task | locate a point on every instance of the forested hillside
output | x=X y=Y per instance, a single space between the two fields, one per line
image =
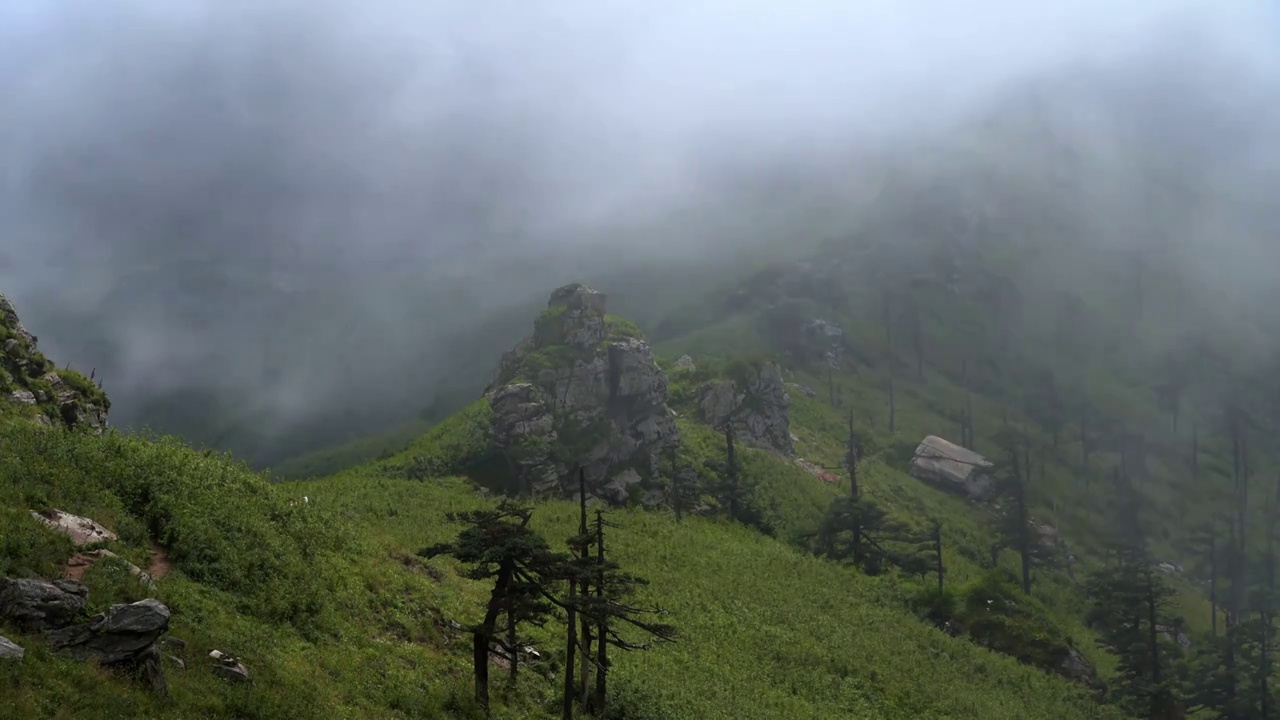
x=966 y=413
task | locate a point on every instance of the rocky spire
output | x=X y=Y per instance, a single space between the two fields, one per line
x=583 y=390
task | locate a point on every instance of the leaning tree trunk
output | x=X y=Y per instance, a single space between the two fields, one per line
x=480 y=639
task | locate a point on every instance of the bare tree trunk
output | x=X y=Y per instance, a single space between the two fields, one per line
x=584 y=552
x=888 y=337
x=893 y=412
x=512 y=641
x=1158 y=701
x=851 y=460
x=917 y=338
x=1229 y=660
x=571 y=646
x=1195 y=457
x=1084 y=443
x=1213 y=579
x=886 y=315
x=602 y=645
x=584 y=668
x=937 y=552
x=1024 y=539
x=733 y=470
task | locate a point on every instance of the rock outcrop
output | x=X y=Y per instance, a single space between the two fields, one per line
x=824 y=341
x=583 y=390
x=122 y=636
x=1076 y=667
x=123 y=633
x=755 y=402
x=952 y=468
x=228 y=668
x=32 y=385
x=10 y=650
x=36 y=605
x=81 y=530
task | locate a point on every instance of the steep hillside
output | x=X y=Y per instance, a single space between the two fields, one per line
x=31 y=386
x=316 y=589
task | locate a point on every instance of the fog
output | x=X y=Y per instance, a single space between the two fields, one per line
x=247 y=215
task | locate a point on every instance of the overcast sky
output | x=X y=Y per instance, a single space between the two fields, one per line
x=365 y=140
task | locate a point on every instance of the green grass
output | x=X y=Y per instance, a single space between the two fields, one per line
x=335 y=617
x=845 y=646
x=329 y=622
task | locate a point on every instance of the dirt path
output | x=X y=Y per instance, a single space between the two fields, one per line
x=159 y=564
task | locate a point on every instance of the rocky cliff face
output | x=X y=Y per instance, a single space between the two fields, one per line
x=31 y=385
x=755 y=401
x=583 y=390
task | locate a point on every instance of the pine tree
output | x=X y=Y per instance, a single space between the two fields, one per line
x=682 y=486
x=1131 y=607
x=610 y=610
x=1014 y=529
x=498 y=545
x=734 y=493
x=859 y=532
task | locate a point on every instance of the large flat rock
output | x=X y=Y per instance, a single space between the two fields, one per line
x=946 y=465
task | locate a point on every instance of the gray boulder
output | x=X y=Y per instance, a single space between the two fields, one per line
x=35 y=605
x=953 y=468
x=229 y=668
x=118 y=635
x=685 y=364
x=123 y=636
x=81 y=530
x=757 y=406
x=9 y=650
x=23 y=397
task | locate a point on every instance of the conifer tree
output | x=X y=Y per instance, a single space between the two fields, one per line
x=735 y=495
x=610 y=610
x=1131 y=607
x=498 y=545
x=1013 y=527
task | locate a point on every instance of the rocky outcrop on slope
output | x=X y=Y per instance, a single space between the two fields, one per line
x=122 y=636
x=35 y=605
x=10 y=650
x=582 y=391
x=755 y=401
x=81 y=530
x=31 y=385
x=953 y=468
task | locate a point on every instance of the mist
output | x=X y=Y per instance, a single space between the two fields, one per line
x=275 y=214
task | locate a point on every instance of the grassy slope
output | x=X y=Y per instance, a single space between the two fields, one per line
x=335 y=619
x=329 y=611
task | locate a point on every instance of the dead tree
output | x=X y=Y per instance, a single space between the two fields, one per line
x=937 y=552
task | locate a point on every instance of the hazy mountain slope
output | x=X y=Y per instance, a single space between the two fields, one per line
x=325 y=604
